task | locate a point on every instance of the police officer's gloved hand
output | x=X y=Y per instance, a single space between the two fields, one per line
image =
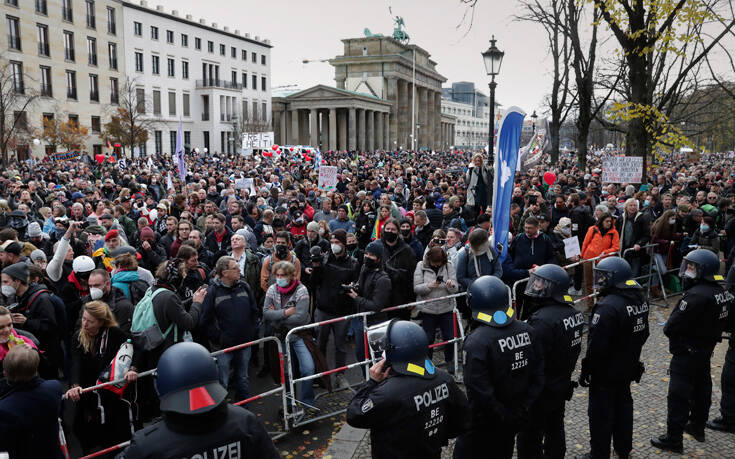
x=519 y=416
x=585 y=376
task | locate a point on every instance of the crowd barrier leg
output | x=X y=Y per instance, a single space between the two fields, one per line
x=111 y=449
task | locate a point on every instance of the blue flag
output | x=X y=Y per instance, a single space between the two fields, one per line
x=318 y=159
x=506 y=157
x=180 y=154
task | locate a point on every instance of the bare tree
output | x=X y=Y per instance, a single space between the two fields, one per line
x=15 y=100
x=130 y=123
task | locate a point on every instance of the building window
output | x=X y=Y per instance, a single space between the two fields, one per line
x=255 y=111
x=233 y=76
x=11 y=2
x=158 y=136
x=222 y=49
x=140 y=100
x=73 y=118
x=96 y=125
x=154 y=33
x=172 y=141
x=244 y=80
x=90 y=14
x=16 y=74
x=46 y=81
x=197 y=43
x=138 y=61
x=262 y=59
x=112 y=55
x=171 y=64
x=111 y=22
x=244 y=109
x=138 y=29
x=187 y=141
x=42 y=32
x=20 y=119
x=41 y=7
x=233 y=52
x=170 y=37
x=172 y=103
x=94 y=90
x=156 y=102
x=185 y=70
x=13 y=24
x=244 y=55
x=92 y=51
x=187 y=110
x=254 y=81
x=222 y=135
x=264 y=111
x=210 y=46
x=114 y=92
x=155 y=64
x=255 y=57
x=184 y=40
x=71 y=84
x=262 y=83
x=66 y=11
x=206 y=139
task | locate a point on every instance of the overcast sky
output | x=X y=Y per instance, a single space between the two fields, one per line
x=312 y=29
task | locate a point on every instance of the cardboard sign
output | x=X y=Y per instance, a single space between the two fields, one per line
x=327 y=178
x=571 y=247
x=622 y=169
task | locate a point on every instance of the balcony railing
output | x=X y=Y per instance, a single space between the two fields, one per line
x=212 y=83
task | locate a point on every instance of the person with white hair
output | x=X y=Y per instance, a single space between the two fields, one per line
x=635 y=233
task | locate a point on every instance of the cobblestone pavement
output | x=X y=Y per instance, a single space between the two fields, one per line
x=649 y=400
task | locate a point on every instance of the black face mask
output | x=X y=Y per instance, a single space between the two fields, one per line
x=406 y=233
x=281 y=251
x=390 y=237
x=351 y=247
x=371 y=264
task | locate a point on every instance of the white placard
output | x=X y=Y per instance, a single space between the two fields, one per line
x=622 y=169
x=245 y=184
x=571 y=247
x=327 y=178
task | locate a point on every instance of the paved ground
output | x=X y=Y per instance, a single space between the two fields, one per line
x=649 y=405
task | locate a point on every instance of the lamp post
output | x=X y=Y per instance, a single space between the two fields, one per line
x=493 y=58
x=533 y=117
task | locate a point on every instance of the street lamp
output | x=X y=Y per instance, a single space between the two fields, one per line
x=533 y=117
x=493 y=58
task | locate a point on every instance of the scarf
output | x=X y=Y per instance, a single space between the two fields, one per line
x=289 y=289
x=73 y=279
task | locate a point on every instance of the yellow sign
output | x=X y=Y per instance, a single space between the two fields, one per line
x=630 y=282
x=484 y=317
x=415 y=369
x=568 y=298
x=718 y=277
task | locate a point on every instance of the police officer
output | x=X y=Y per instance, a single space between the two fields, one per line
x=197 y=421
x=617 y=332
x=558 y=330
x=694 y=328
x=503 y=372
x=726 y=421
x=411 y=407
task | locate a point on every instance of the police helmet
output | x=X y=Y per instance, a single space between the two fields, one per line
x=489 y=301
x=701 y=264
x=407 y=349
x=187 y=380
x=614 y=272
x=549 y=281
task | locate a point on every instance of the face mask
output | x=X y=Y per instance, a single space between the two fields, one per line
x=672 y=221
x=8 y=290
x=370 y=263
x=390 y=237
x=96 y=293
x=59 y=233
x=406 y=233
x=704 y=228
x=351 y=247
x=336 y=249
x=690 y=274
x=321 y=232
x=646 y=203
x=281 y=251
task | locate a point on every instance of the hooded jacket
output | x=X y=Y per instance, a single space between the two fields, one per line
x=230 y=314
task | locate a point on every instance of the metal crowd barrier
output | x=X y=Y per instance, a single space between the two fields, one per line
x=652 y=259
x=281 y=388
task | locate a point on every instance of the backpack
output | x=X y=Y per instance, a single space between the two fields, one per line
x=146 y=332
x=59 y=310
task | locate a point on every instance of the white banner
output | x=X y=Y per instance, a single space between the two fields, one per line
x=327 y=178
x=622 y=169
x=257 y=140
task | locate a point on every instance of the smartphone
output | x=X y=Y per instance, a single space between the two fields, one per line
x=439 y=279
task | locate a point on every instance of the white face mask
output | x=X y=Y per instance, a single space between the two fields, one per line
x=690 y=273
x=336 y=249
x=96 y=293
x=321 y=232
x=672 y=221
x=8 y=290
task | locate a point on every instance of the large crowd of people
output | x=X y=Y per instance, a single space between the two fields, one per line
x=98 y=254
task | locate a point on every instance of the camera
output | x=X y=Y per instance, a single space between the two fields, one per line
x=345 y=288
x=316 y=254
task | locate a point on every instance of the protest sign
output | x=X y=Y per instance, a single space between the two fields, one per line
x=66 y=156
x=571 y=247
x=622 y=169
x=327 y=178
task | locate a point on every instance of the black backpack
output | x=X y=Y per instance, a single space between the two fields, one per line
x=59 y=310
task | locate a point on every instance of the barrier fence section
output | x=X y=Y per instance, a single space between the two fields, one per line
x=281 y=388
x=295 y=414
x=651 y=271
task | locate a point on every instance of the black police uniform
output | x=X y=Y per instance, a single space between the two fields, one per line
x=727 y=404
x=618 y=329
x=558 y=330
x=225 y=432
x=409 y=417
x=503 y=373
x=694 y=328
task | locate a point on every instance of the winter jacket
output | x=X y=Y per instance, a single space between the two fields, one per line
x=468 y=264
x=120 y=306
x=249 y=264
x=595 y=243
x=302 y=251
x=373 y=293
x=41 y=321
x=29 y=426
x=527 y=252
x=275 y=304
x=326 y=281
x=87 y=366
x=581 y=217
x=230 y=314
x=347 y=225
x=150 y=259
x=641 y=232
x=425 y=275
x=399 y=262
x=218 y=248
x=709 y=240
x=130 y=283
